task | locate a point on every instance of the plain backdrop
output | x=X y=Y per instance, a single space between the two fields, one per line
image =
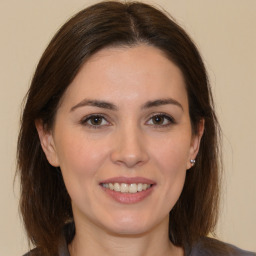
x=224 y=31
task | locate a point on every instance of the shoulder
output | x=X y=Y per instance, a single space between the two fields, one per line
x=65 y=238
x=31 y=253
x=34 y=252
x=212 y=247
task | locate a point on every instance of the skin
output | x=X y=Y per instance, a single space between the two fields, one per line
x=126 y=142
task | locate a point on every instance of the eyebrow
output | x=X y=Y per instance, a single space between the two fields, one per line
x=95 y=103
x=160 y=102
x=111 y=106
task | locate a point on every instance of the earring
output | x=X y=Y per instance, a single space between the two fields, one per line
x=192 y=161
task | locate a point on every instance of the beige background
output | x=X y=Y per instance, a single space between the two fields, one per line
x=225 y=32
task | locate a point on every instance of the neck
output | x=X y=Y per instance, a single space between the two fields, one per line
x=97 y=241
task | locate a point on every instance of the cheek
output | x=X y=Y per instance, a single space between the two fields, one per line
x=173 y=167
x=79 y=154
x=172 y=155
x=80 y=159
x=171 y=160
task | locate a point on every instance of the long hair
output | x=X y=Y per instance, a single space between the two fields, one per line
x=45 y=204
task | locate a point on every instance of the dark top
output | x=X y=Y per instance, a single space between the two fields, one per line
x=212 y=247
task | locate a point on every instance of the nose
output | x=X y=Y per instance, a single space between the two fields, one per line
x=129 y=148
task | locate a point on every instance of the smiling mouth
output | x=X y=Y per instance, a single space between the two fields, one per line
x=126 y=188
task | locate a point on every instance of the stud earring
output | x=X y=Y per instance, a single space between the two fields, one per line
x=192 y=161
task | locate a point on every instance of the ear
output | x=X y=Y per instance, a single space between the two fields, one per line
x=47 y=143
x=195 y=143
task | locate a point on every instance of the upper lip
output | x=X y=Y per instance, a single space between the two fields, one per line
x=128 y=180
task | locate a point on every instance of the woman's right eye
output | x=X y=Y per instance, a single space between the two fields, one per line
x=95 y=121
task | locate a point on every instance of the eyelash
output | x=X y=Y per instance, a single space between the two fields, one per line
x=85 y=120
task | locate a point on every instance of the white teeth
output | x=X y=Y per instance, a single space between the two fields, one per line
x=117 y=187
x=144 y=186
x=111 y=186
x=126 y=188
x=133 y=188
x=140 y=187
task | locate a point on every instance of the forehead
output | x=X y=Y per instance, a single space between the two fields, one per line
x=128 y=73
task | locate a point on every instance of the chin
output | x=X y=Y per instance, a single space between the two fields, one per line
x=128 y=230
x=129 y=225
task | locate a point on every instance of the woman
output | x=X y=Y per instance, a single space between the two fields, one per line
x=118 y=148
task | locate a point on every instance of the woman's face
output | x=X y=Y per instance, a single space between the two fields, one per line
x=123 y=124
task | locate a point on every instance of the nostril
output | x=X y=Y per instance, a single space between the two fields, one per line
x=130 y=160
x=129 y=148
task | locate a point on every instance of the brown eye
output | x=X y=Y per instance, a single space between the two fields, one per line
x=158 y=120
x=97 y=120
x=161 y=120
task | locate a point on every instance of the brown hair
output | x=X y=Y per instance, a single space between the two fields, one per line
x=45 y=204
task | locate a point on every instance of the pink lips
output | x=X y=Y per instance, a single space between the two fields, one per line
x=128 y=198
x=128 y=180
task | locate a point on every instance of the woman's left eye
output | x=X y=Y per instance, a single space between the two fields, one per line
x=161 y=120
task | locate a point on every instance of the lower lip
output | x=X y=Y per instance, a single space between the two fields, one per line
x=129 y=198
